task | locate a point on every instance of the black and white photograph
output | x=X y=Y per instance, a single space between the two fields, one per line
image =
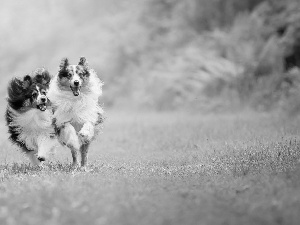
x=150 y=112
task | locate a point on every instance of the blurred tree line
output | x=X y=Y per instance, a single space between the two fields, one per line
x=162 y=54
x=246 y=52
x=202 y=15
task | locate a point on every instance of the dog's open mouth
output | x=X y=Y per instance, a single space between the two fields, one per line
x=42 y=106
x=75 y=90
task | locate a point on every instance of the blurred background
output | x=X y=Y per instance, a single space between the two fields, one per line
x=161 y=55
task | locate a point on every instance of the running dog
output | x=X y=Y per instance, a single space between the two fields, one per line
x=28 y=116
x=74 y=93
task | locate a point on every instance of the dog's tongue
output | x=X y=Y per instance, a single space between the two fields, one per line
x=42 y=107
x=76 y=91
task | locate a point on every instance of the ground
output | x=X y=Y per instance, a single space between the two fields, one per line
x=163 y=168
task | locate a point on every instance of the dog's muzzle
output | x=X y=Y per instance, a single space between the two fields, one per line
x=76 y=88
x=41 y=158
x=43 y=104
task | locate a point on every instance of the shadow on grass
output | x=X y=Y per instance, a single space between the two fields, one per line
x=274 y=157
x=235 y=161
x=24 y=168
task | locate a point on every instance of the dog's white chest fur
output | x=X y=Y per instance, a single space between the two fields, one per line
x=32 y=126
x=76 y=110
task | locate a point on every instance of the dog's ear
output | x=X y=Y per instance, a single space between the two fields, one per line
x=83 y=63
x=46 y=77
x=27 y=81
x=64 y=64
x=41 y=76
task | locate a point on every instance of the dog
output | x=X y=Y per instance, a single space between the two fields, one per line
x=74 y=93
x=28 y=116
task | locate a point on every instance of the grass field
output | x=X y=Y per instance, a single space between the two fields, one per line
x=169 y=168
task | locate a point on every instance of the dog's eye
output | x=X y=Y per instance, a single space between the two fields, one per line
x=84 y=75
x=43 y=92
x=34 y=95
x=64 y=74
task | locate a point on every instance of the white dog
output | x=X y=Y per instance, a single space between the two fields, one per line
x=74 y=94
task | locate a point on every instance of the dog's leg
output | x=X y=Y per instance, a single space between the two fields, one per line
x=69 y=136
x=86 y=133
x=33 y=158
x=45 y=146
x=84 y=153
x=74 y=153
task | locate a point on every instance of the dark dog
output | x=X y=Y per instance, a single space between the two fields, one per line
x=28 y=117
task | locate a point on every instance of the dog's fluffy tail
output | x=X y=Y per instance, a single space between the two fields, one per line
x=15 y=92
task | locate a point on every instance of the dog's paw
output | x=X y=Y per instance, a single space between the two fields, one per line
x=84 y=169
x=69 y=137
x=84 y=138
x=75 y=166
x=86 y=133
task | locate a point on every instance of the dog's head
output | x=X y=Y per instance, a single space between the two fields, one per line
x=30 y=92
x=74 y=77
x=36 y=88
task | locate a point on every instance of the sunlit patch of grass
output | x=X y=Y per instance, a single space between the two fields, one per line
x=164 y=169
x=269 y=158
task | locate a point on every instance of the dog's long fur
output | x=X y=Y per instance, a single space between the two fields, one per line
x=74 y=93
x=28 y=117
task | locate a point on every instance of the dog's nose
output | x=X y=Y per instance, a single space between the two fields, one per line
x=41 y=158
x=76 y=83
x=43 y=99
